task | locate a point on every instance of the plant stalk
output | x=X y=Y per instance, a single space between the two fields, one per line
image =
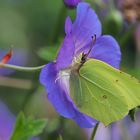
x=20 y=68
x=94 y=132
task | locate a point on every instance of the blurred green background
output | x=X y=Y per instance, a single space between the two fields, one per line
x=36 y=28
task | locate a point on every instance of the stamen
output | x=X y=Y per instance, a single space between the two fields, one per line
x=77 y=59
x=60 y=76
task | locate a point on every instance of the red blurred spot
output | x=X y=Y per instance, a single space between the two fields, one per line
x=7 y=57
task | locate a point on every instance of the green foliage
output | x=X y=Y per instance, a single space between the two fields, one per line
x=104 y=92
x=60 y=137
x=26 y=128
x=114 y=19
x=48 y=53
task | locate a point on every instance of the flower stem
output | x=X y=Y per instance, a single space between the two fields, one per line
x=94 y=132
x=20 y=68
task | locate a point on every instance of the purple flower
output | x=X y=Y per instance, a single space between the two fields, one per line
x=7 y=123
x=121 y=130
x=55 y=75
x=103 y=133
x=7 y=120
x=71 y=3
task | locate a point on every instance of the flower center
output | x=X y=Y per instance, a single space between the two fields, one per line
x=78 y=61
x=63 y=80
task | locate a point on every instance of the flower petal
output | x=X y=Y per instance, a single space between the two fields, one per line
x=7 y=120
x=66 y=53
x=85 y=26
x=68 y=26
x=84 y=121
x=107 y=49
x=58 y=95
x=116 y=131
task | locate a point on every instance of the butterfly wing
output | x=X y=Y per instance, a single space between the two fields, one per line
x=103 y=92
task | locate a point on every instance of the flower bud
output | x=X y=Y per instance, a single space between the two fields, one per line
x=71 y=3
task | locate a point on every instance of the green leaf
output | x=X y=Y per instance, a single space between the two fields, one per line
x=103 y=92
x=26 y=128
x=48 y=53
x=60 y=138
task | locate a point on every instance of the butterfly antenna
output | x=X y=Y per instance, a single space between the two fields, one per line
x=92 y=44
x=84 y=56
